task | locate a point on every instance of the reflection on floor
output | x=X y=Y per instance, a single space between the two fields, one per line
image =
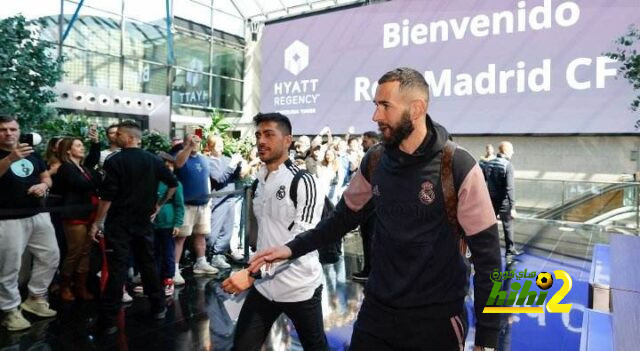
x=201 y=316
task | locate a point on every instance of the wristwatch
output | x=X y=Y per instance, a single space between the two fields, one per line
x=256 y=275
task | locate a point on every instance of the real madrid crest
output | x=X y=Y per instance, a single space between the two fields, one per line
x=426 y=194
x=282 y=191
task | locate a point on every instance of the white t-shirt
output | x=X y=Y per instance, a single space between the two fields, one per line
x=106 y=153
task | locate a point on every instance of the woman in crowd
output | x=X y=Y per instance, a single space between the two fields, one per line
x=331 y=174
x=78 y=187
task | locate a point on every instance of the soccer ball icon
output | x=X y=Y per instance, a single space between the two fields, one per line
x=544 y=280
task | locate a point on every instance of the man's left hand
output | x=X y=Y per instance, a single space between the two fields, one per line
x=38 y=190
x=155 y=213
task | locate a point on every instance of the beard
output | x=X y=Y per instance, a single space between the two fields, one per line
x=398 y=132
x=271 y=155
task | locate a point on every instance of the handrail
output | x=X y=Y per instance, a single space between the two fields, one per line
x=578 y=181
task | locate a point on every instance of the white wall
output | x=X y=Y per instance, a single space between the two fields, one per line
x=595 y=158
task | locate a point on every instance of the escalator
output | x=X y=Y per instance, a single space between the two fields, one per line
x=612 y=206
x=588 y=205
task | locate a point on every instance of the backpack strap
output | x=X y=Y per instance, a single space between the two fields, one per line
x=375 y=153
x=293 y=188
x=450 y=194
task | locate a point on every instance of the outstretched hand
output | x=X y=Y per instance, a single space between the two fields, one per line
x=268 y=256
x=238 y=282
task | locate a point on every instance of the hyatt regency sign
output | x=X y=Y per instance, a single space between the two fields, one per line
x=495 y=67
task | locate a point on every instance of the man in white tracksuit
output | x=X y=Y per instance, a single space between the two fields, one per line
x=295 y=287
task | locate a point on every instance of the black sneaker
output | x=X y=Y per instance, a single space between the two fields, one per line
x=514 y=252
x=361 y=276
x=103 y=327
x=160 y=314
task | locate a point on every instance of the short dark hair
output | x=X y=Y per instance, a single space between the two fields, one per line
x=133 y=127
x=408 y=78
x=281 y=120
x=6 y=118
x=129 y=124
x=112 y=126
x=371 y=135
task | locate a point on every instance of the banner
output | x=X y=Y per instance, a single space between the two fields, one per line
x=494 y=67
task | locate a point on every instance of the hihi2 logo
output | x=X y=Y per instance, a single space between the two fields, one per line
x=499 y=302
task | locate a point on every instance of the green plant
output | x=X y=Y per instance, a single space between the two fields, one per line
x=78 y=126
x=153 y=141
x=627 y=54
x=27 y=71
x=220 y=126
x=241 y=146
x=70 y=125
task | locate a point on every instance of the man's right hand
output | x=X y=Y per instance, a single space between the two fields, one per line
x=95 y=231
x=20 y=152
x=268 y=256
x=238 y=282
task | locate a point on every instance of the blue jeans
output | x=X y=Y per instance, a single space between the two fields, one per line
x=222 y=219
x=164 y=248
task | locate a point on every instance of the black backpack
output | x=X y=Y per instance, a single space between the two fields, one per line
x=330 y=253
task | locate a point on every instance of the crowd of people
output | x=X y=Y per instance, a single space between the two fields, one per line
x=146 y=210
x=67 y=185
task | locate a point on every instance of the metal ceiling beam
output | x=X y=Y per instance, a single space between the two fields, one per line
x=238 y=9
x=71 y=22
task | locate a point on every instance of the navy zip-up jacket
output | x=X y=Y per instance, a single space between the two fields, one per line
x=499 y=174
x=417 y=263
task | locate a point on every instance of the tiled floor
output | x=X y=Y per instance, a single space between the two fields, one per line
x=201 y=316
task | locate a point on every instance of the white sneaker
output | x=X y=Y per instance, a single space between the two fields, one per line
x=237 y=256
x=38 y=306
x=178 y=279
x=204 y=268
x=126 y=298
x=14 y=320
x=219 y=261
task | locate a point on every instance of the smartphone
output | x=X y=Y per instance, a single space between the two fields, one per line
x=26 y=139
x=32 y=139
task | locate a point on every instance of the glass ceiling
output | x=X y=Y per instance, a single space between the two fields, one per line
x=269 y=10
x=230 y=16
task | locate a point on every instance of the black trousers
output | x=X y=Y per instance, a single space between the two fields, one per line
x=258 y=315
x=366 y=232
x=121 y=236
x=381 y=328
x=507 y=227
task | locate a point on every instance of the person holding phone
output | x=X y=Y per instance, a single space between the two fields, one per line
x=24 y=181
x=112 y=132
x=193 y=171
